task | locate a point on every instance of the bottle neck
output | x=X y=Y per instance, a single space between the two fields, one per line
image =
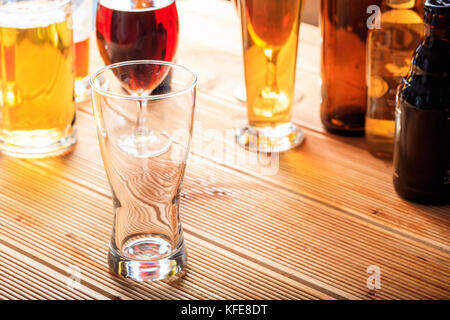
x=437 y=25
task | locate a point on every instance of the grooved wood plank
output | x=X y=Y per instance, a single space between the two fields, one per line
x=76 y=237
x=295 y=238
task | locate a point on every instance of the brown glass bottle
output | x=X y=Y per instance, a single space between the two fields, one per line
x=344 y=32
x=422 y=139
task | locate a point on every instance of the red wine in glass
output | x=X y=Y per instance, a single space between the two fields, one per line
x=137 y=30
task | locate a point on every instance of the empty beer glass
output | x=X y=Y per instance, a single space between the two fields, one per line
x=144 y=140
x=37 y=107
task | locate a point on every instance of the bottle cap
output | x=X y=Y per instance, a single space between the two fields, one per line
x=437 y=5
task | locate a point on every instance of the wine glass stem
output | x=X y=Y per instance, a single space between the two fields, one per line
x=271 y=74
x=142 y=129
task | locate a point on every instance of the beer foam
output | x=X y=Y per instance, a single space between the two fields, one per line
x=32 y=14
x=129 y=5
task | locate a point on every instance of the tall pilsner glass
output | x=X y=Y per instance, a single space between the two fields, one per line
x=270 y=31
x=147 y=239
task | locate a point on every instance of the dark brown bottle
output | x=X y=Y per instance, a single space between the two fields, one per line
x=344 y=26
x=422 y=140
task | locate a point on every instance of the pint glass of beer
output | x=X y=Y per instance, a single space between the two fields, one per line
x=270 y=31
x=37 y=106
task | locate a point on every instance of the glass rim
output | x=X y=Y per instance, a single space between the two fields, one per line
x=152 y=8
x=110 y=94
x=53 y=4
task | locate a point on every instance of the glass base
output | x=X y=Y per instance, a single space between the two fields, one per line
x=150 y=145
x=270 y=139
x=40 y=149
x=380 y=146
x=148 y=258
x=344 y=131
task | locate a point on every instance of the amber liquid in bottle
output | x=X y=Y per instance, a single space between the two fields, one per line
x=389 y=53
x=344 y=33
x=422 y=140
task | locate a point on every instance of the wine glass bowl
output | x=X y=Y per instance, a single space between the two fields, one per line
x=141 y=79
x=129 y=30
x=137 y=30
x=263 y=17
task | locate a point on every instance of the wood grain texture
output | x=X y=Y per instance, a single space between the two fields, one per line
x=307 y=231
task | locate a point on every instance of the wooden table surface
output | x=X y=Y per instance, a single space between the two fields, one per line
x=306 y=225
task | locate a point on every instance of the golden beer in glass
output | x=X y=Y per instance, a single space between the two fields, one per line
x=270 y=31
x=37 y=106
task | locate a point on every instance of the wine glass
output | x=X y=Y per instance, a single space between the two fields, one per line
x=129 y=30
